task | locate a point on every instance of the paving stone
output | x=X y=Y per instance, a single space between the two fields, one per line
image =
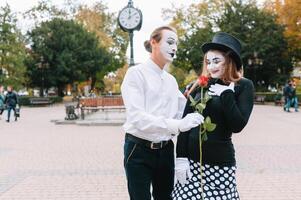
x=40 y=160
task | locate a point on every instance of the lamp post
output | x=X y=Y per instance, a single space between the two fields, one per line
x=42 y=65
x=1 y=75
x=255 y=63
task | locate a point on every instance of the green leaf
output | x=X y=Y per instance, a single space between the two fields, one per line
x=208 y=120
x=210 y=127
x=200 y=107
x=193 y=102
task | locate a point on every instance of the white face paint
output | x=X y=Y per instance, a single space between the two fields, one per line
x=215 y=64
x=168 y=45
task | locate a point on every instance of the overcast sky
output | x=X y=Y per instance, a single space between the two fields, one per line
x=151 y=10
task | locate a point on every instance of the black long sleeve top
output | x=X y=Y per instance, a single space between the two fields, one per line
x=230 y=112
x=11 y=99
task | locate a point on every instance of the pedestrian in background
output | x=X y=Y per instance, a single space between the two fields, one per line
x=288 y=95
x=2 y=97
x=294 y=97
x=11 y=101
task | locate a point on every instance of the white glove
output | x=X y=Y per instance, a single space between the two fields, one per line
x=190 y=121
x=218 y=89
x=182 y=170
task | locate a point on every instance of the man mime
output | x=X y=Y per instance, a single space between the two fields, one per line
x=154 y=107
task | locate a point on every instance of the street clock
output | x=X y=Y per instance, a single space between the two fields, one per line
x=130 y=18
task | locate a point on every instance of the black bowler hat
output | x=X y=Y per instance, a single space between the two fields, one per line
x=225 y=42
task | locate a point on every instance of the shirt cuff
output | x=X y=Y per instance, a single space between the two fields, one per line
x=173 y=126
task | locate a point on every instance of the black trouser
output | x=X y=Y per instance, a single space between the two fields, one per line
x=145 y=166
x=9 y=108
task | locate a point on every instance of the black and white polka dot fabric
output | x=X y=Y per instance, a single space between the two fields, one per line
x=218 y=184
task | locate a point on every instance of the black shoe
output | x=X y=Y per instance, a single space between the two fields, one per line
x=7 y=120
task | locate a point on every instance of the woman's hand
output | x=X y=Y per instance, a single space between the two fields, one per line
x=218 y=89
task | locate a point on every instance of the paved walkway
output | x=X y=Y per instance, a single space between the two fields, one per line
x=43 y=161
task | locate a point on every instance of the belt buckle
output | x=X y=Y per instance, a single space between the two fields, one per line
x=152 y=146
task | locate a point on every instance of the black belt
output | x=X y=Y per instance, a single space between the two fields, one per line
x=149 y=144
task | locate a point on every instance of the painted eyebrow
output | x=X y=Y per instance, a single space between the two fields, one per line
x=170 y=38
x=215 y=59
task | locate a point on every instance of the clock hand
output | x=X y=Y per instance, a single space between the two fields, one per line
x=129 y=14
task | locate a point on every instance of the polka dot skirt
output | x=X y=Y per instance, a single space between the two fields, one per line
x=218 y=184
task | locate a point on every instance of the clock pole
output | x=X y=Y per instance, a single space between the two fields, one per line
x=131 y=33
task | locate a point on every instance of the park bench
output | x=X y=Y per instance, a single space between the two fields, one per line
x=279 y=101
x=40 y=101
x=104 y=103
x=259 y=99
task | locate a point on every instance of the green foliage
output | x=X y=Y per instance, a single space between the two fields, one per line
x=272 y=96
x=257 y=29
x=12 y=50
x=69 y=52
x=189 y=55
x=25 y=100
x=288 y=14
x=103 y=23
x=298 y=89
x=95 y=19
x=259 y=33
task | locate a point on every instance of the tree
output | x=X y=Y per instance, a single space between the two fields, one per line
x=96 y=19
x=194 y=24
x=12 y=50
x=45 y=10
x=288 y=15
x=189 y=55
x=188 y=20
x=113 y=80
x=257 y=29
x=260 y=35
x=66 y=53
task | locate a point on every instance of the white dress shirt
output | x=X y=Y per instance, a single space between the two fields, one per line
x=153 y=102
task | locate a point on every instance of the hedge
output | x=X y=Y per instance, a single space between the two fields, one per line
x=25 y=100
x=272 y=96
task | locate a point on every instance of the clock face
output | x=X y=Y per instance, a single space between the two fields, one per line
x=129 y=18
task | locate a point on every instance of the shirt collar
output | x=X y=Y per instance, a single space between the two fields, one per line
x=152 y=65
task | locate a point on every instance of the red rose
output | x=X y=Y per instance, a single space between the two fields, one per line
x=203 y=81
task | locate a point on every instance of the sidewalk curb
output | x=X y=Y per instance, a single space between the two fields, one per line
x=89 y=123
